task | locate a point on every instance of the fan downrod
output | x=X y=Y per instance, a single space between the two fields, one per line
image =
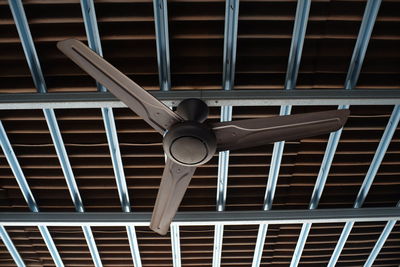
x=193 y=109
x=190 y=143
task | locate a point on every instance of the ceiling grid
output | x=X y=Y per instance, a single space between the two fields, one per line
x=27 y=193
x=299 y=31
x=363 y=38
x=228 y=78
x=369 y=178
x=93 y=36
x=38 y=78
x=137 y=37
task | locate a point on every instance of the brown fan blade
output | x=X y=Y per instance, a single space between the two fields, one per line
x=149 y=108
x=255 y=132
x=175 y=181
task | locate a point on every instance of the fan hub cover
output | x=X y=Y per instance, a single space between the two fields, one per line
x=190 y=143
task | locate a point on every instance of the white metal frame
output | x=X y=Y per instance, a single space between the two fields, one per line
x=203 y=217
x=213 y=98
x=226 y=99
x=93 y=35
x=229 y=64
x=356 y=62
x=28 y=45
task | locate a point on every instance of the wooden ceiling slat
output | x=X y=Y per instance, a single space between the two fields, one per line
x=196 y=41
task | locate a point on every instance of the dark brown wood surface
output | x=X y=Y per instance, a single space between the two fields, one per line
x=196 y=42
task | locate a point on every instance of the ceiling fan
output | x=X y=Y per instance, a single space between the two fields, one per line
x=187 y=141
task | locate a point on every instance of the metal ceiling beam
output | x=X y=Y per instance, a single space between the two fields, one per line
x=162 y=42
x=92 y=33
x=164 y=73
x=176 y=245
x=223 y=164
x=24 y=33
x=222 y=184
x=360 y=49
x=27 y=193
x=356 y=62
x=22 y=25
x=11 y=247
x=213 y=98
x=230 y=43
x=316 y=195
x=202 y=218
x=369 y=178
x=217 y=248
x=381 y=241
x=38 y=78
x=228 y=79
x=116 y=158
x=70 y=179
x=296 y=48
x=91 y=28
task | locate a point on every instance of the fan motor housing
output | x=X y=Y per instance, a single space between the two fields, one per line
x=190 y=143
